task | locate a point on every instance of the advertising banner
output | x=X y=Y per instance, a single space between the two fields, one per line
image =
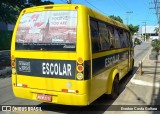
x=47 y=28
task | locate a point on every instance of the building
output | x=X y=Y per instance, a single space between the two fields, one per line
x=149 y=30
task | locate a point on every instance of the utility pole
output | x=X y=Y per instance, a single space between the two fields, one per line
x=145 y=36
x=69 y=1
x=128 y=12
x=157 y=8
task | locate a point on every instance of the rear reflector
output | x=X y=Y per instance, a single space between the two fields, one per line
x=64 y=90
x=24 y=85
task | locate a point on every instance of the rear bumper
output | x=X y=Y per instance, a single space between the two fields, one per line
x=57 y=97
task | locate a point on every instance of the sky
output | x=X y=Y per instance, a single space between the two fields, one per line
x=140 y=10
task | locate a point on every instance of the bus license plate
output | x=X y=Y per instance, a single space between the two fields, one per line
x=44 y=97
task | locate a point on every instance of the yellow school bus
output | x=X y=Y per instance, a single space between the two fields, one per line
x=68 y=54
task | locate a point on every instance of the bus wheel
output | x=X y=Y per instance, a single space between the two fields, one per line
x=115 y=88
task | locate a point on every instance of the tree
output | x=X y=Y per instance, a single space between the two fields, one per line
x=9 y=9
x=117 y=18
x=39 y=2
x=156 y=30
x=133 y=29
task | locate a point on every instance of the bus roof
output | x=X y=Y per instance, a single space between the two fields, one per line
x=94 y=13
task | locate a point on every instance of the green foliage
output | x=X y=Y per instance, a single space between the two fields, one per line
x=8 y=13
x=155 y=44
x=117 y=18
x=9 y=9
x=156 y=30
x=5 y=40
x=39 y=2
x=133 y=29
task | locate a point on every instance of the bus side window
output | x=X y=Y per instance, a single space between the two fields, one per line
x=130 y=40
x=126 y=39
x=117 y=39
x=104 y=37
x=111 y=37
x=94 y=36
x=123 y=39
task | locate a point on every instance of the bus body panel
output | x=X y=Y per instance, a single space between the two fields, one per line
x=57 y=97
x=42 y=84
x=67 y=89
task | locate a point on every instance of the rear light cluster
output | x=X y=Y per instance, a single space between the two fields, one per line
x=22 y=85
x=69 y=91
x=80 y=69
x=13 y=64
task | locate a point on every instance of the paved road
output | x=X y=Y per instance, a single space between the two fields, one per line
x=99 y=106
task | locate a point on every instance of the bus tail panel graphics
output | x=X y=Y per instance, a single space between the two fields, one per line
x=46 y=68
x=47 y=30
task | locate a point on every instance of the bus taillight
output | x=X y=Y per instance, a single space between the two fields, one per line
x=13 y=64
x=13 y=70
x=12 y=57
x=80 y=68
x=80 y=60
x=69 y=91
x=80 y=76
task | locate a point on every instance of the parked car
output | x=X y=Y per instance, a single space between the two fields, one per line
x=137 y=41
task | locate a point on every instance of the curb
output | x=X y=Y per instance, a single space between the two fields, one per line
x=138 y=66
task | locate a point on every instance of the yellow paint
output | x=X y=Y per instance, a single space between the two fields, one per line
x=88 y=90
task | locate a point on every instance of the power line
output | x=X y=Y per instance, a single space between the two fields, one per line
x=122 y=6
x=94 y=7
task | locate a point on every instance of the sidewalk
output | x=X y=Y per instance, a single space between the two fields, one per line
x=144 y=89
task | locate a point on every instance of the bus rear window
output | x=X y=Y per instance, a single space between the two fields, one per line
x=47 y=30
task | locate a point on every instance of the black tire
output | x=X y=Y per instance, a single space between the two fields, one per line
x=115 y=88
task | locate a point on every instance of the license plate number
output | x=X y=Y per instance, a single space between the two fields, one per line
x=44 y=97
